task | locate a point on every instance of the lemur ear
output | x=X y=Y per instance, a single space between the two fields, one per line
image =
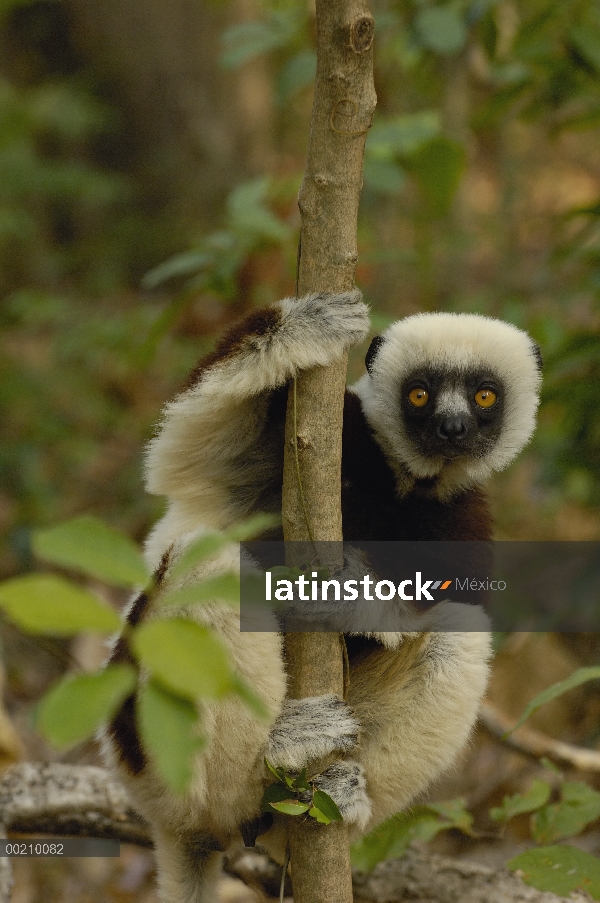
x=538 y=356
x=372 y=353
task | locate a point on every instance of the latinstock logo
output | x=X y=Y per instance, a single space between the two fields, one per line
x=304 y=589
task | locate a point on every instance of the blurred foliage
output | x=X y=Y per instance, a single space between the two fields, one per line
x=185 y=661
x=482 y=193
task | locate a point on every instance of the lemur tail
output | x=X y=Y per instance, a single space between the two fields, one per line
x=189 y=869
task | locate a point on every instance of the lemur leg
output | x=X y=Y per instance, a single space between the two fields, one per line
x=417 y=706
x=188 y=869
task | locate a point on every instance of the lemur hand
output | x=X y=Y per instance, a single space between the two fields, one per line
x=309 y=729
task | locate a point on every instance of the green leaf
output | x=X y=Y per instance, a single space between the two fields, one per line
x=384 y=176
x=581 y=676
x=275 y=793
x=89 y=545
x=278 y=773
x=301 y=782
x=246 y=40
x=222 y=588
x=534 y=798
x=206 y=546
x=186 y=657
x=291 y=807
x=401 y=135
x=391 y=839
x=587 y=42
x=559 y=869
x=169 y=731
x=252 y=527
x=186 y=264
x=297 y=73
x=456 y=814
x=50 y=604
x=579 y=807
x=438 y=167
x=326 y=805
x=320 y=816
x=77 y=706
x=551 y=766
x=250 y=216
x=253 y=590
x=441 y=29
x=247 y=695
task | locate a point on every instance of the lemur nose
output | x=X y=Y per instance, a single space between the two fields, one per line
x=452 y=428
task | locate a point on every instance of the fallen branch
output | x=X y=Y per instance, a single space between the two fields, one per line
x=68 y=800
x=535 y=744
x=423 y=877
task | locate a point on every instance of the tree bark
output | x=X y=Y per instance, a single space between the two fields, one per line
x=342 y=112
x=424 y=877
x=75 y=800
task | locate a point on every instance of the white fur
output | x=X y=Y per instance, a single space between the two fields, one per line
x=464 y=342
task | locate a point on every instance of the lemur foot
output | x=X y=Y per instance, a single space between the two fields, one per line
x=345 y=783
x=310 y=728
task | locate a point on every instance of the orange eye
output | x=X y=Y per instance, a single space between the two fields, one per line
x=418 y=397
x=485 y=398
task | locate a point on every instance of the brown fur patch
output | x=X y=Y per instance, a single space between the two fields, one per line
x=259 y=323
x=371 y=508
x=123 y=730
x=123 y=727
x=163 y=567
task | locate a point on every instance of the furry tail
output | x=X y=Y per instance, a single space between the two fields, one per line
x=189 y=868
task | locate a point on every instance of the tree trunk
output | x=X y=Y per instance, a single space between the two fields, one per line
x=197 y=126
x=342 y=113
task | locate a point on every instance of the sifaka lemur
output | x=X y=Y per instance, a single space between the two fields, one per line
x=447 y=400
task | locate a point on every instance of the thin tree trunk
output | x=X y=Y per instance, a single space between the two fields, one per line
x=342 y=113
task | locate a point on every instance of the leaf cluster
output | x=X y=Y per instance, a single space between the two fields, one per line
x=184 y=663
x=297 y=795
x=554 y=816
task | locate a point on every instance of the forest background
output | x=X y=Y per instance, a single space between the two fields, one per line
x=150 y=159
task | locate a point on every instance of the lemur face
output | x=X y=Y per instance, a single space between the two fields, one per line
x=452 y=414
x=451 y=396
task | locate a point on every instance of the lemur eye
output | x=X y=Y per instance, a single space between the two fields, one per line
x=485 y=398
x=418 y=397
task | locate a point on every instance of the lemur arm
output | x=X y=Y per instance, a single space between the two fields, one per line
x=218 y=455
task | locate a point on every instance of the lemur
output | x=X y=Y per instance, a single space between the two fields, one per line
x=447 y=399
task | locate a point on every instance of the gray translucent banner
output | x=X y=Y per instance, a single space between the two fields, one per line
x=374 y=587
x=60 y=847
